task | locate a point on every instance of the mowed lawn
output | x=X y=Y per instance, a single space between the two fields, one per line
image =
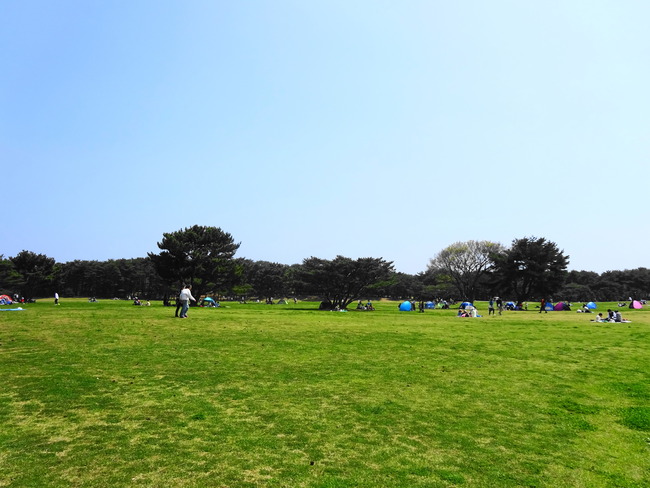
x=250 y=395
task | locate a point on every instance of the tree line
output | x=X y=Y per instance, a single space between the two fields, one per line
x=530 y=268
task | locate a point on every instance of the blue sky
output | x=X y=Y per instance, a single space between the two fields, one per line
x=316 y=128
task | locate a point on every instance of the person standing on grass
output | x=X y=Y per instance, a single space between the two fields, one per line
x=491 y=307
x=542 y=306
x=56 y=298
x=185 y=297
x=178 y=303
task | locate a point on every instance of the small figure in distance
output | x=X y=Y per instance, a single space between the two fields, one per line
x=491 y=307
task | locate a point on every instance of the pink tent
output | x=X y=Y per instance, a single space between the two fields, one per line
x=559 y=306
x=636 y=304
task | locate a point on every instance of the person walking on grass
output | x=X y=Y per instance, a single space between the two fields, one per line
x=185 y=297
x=56 y=298
x=500 y=305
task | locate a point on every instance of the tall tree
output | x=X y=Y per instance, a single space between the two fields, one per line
x=532 y=267
x=112 y=278
x=198 y=255
x=266 y=279
x=404 y=286
x=466 y=263
x=10 y=279
x=342 y=280
x=37 y=273
x=438 y=284
x=580 y=286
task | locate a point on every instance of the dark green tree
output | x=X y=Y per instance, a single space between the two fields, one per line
x=439 y=285
x=10 y=279
x=342 y=280
x=403 y=286
x=112 y=278
x=621 y=285
x=532 y=267
x=266 y=279
x=198 y=255
x=37 y=274
x=579 y=287
x=638 y=282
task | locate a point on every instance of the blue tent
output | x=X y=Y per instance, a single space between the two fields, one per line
x=405 y=306
x=591 y=305
x=549 y=306
x=465 y=305
x=430 y=305
x=209 y=302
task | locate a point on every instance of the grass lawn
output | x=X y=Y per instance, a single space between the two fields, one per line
x=107 y=394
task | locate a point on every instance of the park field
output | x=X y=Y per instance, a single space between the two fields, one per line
x=108 y=394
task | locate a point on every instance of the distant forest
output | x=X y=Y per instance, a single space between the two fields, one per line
x=36 y=276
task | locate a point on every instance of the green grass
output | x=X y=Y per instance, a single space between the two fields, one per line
x=108 y=394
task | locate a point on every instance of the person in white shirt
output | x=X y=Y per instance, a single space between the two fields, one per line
x=185 y=297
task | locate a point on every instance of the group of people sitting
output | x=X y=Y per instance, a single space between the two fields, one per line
x=612 y=316
x=468 y=311
x=367 y=306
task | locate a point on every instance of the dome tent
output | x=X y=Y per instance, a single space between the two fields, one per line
x=405 y=306
x=591 y=305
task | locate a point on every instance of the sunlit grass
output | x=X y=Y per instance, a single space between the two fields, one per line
x=108 y=394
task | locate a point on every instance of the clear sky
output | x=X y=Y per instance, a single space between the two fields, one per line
x=315 y=128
